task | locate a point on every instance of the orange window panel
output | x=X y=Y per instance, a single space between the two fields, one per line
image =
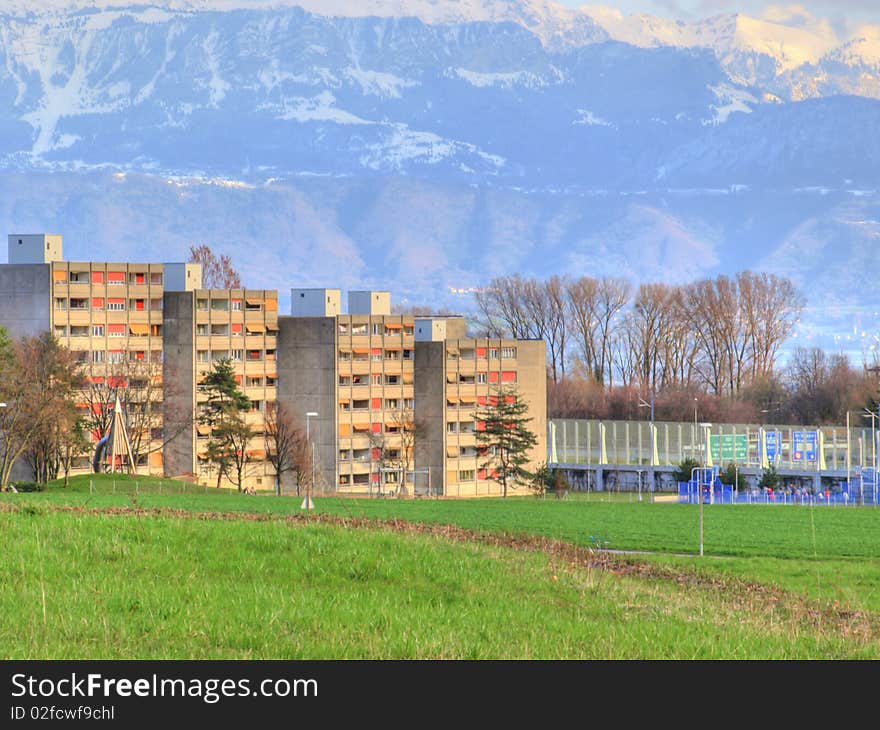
x=59 y=275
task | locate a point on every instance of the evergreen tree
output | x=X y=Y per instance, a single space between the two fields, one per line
x=504 y=438
x=224 y=412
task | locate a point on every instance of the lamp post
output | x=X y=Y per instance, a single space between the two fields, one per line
x=307 y=504
x=699 y=461
x=872 y=415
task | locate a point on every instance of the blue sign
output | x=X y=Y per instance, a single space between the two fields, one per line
x=772 y=442
x=803 y=445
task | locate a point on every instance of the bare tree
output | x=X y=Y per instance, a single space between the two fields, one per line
x=287 y=448
x=217 y=271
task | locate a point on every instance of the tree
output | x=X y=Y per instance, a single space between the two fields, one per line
x=546 y=478
x=217 y=271
x=685 y=469
x=731 y=475
x=224 y=413
x=287 y=448
x=37 y=376
x=769 y=478
x=504 y=438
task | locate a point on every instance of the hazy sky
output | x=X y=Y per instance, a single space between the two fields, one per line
x=836 y=10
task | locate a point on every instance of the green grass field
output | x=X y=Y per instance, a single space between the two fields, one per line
x=98 y=585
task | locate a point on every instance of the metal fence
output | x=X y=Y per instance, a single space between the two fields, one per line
x=808 y=449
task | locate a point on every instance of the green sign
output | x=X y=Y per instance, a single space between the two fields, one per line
x=729 y=447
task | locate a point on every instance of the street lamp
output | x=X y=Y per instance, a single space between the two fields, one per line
x=307 y=503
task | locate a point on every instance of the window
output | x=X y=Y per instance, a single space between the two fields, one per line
x=97 y=356
x=156 y=356
x=377 y=328
x=115 y=278
x=116 y=305
x=137 y=356
x=344 y=380
x=359 y=329
x=79 y=330
x=407 y=354
x=358 y=380
x=408 y=329
x=97 y=330
x=270 y=354
x=79 y=303
x=79 y=277
x=466 y=379
x=360 y=405
x=220 y=305
x=409 y=403
x=236 y=355
x=392 y=379
x=254 y=382
x=508 y=353
x=219 y=355
x=201 y=329
x=115 y=356
x=254 y=354
x=202 y=356
x=256 y=405
x=376 y=379
x=508 y=376
x=156 y=330
x=481 y=377
x=467 y=354
x=156 y=304
x=60 y=303
x=97 y=303
x=137 y=278
x=493 y=353
x=220 y=329
x=376 y=354
x=466 y=475
x=481 y=353
x=235 y=305
x=236 y=328
x=343 y=328
x=271 y=382
x=392 y=403
x=202 y=305
x=452 y=427
x=392 y=354
x=344 y=454
x=138 y=305
x=116 y=330
x=344 y=355
x=61 y=330
x=156 y=279
x=466 y=427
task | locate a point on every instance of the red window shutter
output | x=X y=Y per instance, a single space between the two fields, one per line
x=481 y=352
x=97 y=277
x=481 y=474
x=481 y=400
x=116 y=329
x=139 y=305
x=139 y=355
x=237 y=379
x=493 y=377
x=376 y=453
x=509 y=399
x=138 y=278
x=115 y=300
x=116 y=276
x=376 y=404
x=376 y=427
x=481 y=425
x=97 y=302
x=236 y=328
x=374 y=477
x=508 y=376
x=117 y=382
x=97 y=379
x=376 y=351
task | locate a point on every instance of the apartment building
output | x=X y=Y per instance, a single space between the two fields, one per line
x=108 y=314
x=393 y=393
x=201 y=327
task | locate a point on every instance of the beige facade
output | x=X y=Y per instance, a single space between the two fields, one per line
x=205 y=326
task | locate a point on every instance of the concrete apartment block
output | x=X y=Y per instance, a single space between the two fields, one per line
x=307 y=384
x=433 y=329
x=315 y=302
x=207 y=325
x=369 y=302
x=34 y=248
x=25 y=296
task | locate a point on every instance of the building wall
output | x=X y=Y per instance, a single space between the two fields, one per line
x=25 y=294
x=34 y=248
x=307 y=383
x=474 y=370
x=178 y=381
x=430 y=410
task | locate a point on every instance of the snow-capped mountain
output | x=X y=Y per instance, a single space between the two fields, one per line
x=425 y=145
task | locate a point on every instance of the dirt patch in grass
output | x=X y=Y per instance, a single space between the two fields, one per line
x=751 y=597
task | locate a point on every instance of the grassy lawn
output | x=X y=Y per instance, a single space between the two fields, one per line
x=82 y=586
x=827 y=553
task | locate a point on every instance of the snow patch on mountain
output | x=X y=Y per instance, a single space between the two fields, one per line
x=379 y=83
x=504 y=79
x=404 y=145
x=318 y=108
x=730 y=99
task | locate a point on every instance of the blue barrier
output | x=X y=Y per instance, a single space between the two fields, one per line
x=718 y=493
